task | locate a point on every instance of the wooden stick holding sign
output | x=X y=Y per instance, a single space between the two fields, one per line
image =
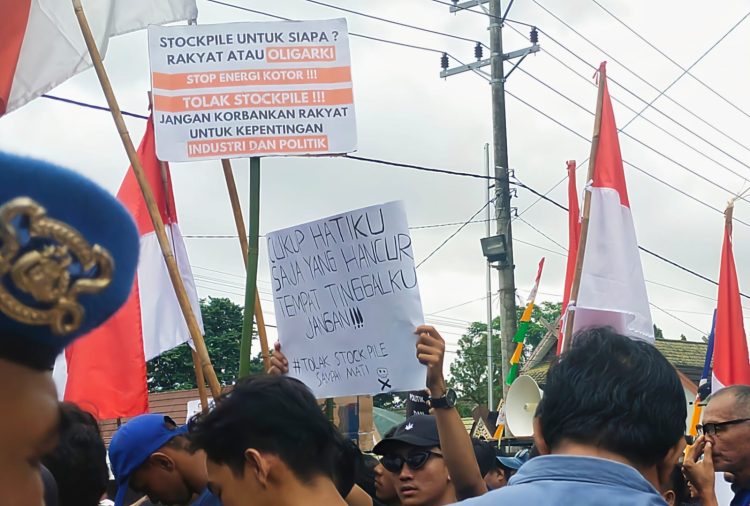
x=174 y=273
x=252 y=268
x=239 y=221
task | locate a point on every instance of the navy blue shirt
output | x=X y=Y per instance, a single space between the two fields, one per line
x=741 y=497
x=575 y=481
x=207 y=499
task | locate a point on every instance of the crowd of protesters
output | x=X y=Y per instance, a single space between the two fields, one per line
x=609 y=429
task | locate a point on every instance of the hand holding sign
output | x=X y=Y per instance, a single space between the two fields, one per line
x=279 y=363
x=431 y=352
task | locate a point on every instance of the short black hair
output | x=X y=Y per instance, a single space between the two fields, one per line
x=366 y=474
x=678 y=485
x=741 y=395
x=79 y=462
x=278 y=415
x=616 y=393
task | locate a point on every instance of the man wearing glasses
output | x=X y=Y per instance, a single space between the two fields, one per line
x=724 y=443
x=413 y=456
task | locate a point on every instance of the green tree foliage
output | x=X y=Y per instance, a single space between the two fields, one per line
x=222 y=321
x=468 y=372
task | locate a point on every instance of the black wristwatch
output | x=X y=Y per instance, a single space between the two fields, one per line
x=447 y=401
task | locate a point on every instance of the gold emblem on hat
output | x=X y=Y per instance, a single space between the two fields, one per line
x=43 y=273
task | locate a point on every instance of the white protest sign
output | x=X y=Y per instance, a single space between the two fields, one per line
x=347 y=302
x=196 y=406
x=252 y=89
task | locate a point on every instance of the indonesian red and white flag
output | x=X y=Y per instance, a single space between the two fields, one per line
x=612 y=291
x=731 y=362
x=574 y=236
x=731 y=365
x=41 y=44
x=105 y=373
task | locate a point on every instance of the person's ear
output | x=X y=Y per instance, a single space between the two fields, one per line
x=539 y=442
x=161 y=460
x=670 y=497
x=665 y=468
x=257 y=464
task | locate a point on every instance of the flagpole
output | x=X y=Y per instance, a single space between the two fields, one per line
x=705 y=378
x=252 y=266
x=148 y=196
x=573 y=299
x=239 y=221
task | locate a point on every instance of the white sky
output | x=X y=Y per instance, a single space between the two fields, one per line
x=405 y=113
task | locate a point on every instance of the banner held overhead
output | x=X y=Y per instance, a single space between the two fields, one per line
x=252 y=89
x=347 y=302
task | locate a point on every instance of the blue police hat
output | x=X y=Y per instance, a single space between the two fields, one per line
x=68 y=255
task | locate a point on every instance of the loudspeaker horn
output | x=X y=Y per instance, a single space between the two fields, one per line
x=523 y=398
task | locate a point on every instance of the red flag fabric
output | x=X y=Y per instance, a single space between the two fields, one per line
x=106 y=372
x=574 y=236
x=731 y=362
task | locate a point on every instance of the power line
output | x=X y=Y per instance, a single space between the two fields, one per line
x=696 y=116
x=645 y=250
x=659 y=127
x=671 y=60
x=539 y=247
x=417 y=227
x=639 y=169
x=91 y=106
x=461 y=304
x=647 y=146
x=454 y=233
x=398 y=23
x=543 y=234
x=487 y=14
x=701 y=332
x=419 y=167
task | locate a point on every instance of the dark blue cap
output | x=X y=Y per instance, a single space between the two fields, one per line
x=133 y=444
x=68 y=256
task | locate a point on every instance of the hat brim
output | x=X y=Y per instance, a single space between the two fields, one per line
x=409 y=439
x=510 y=462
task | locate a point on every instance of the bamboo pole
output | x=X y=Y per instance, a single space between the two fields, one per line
x=148 y=195
x=200 y=380
x=252 y=267
x=573 y=299
x=239 y=221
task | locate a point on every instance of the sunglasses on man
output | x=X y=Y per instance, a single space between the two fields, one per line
x=415 y=460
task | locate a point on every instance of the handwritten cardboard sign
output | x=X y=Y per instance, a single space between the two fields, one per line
x=252 y=89
x=347 y=302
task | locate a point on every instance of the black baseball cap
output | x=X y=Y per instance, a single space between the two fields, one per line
x=417 y=430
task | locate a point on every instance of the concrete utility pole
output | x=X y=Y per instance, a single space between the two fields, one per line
x=497 y=77
x=507 y=287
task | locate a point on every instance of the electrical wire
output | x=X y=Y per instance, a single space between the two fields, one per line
x=670 y=59
x=684 y=108
x=397 y=23
x=454 y=234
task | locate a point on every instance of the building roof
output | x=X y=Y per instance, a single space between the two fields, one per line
x=686 y=356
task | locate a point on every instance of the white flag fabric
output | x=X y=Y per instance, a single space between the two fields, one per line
x=41 y=44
